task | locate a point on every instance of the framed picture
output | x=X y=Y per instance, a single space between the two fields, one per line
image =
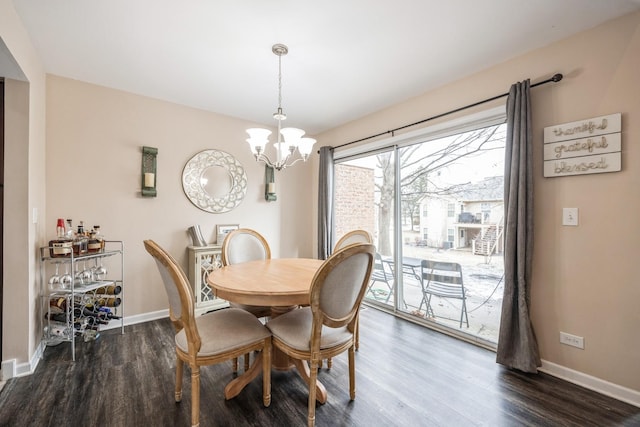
x=223 y=229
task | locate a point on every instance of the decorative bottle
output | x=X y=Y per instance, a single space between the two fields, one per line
x=80 y=241
x=60 y=246
x=96 y=241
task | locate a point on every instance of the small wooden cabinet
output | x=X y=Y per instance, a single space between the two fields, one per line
x=202 y=261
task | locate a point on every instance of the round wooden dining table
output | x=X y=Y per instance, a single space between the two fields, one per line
x=281 y=283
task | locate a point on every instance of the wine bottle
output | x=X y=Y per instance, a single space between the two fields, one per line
x=57 y=317
x=109 y=314
x=109 y=290
x=60 y=303
x=109 y=302
x=97 y=316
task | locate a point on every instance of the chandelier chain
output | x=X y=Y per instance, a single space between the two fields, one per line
x=280 y=84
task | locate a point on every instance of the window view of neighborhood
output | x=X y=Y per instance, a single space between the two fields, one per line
x=450 y=231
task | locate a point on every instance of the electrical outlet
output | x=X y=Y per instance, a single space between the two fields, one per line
x=570 y=216
x=572 y=340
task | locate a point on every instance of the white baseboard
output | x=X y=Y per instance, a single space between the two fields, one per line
x=138 y=318
x=618 y=392
x=8 y=369
x=12 y=369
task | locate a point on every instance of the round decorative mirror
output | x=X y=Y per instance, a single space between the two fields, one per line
x=214 y=181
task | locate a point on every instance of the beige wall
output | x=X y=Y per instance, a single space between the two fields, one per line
x=94 y=141
x=24 y=192
x=585 y=278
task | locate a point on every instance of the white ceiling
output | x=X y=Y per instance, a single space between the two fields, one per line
x=347 y=58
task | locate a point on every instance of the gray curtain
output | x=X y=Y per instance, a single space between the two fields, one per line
x=517 y=345
x=325 y=203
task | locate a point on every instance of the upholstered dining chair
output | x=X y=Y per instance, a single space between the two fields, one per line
x=211 y=338
x=245 y=245
x=353 y=236
x=326 y=327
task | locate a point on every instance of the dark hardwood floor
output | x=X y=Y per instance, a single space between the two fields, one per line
x=406 y=375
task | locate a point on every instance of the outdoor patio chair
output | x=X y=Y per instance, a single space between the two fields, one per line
x=443 y=279
x=382 y=274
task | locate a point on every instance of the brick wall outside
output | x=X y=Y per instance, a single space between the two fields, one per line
x=354 y=199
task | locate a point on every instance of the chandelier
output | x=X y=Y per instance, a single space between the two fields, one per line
x=293 y=140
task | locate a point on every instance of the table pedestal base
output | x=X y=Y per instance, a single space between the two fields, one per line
x=279 y=360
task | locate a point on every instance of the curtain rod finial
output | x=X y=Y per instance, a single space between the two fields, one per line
x=557 y=77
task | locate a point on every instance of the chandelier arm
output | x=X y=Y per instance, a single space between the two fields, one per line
x=292 y=163
x=278 y=165
x=262 y=157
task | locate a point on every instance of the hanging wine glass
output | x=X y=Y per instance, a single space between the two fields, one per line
x=100 y=271
x=77 y=274
x=54 y=280
x=66 y=280
x=86 y=275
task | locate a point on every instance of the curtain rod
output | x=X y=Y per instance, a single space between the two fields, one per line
x=555 y=78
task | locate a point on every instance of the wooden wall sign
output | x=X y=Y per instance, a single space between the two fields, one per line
x=584 y=147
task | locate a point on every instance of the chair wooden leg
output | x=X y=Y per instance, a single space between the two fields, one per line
x=235 y=365
x=305 y=373
x=352 y=372
x=195 y=395
x=179 y=370
x=329 y=363
x=357 y=331
x=266 y=373
x=313 y=377
x=246 y=362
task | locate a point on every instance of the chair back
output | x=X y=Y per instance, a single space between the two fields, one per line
x=442 y=278
x=178 y=288
x=244 y=245
x=338 y=287
x=354 y=236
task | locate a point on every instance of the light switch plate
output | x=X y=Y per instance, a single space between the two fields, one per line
x=570 y=216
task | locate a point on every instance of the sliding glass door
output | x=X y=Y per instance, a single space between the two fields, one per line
x=435 y=209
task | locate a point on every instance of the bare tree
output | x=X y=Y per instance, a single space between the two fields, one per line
x=418 y=165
